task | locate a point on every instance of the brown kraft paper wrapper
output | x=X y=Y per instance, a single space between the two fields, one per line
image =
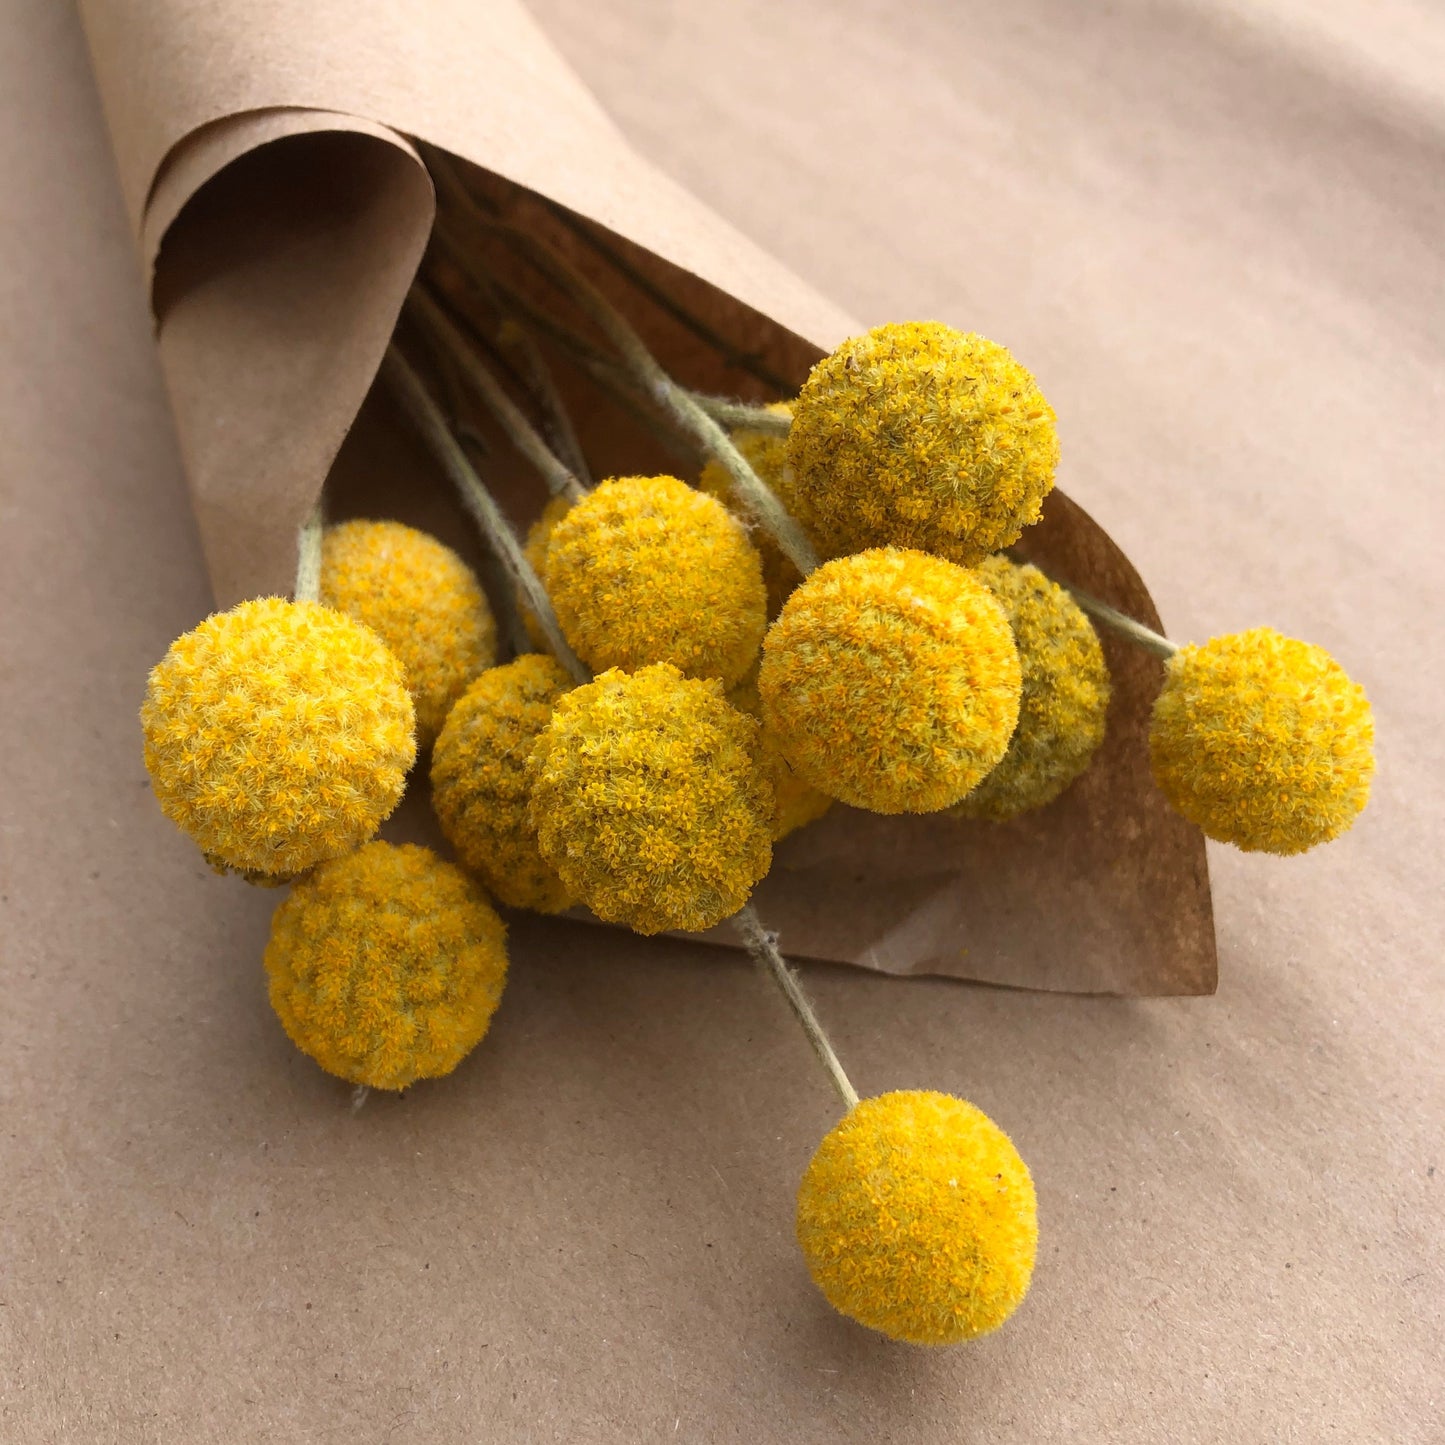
x=281 y=210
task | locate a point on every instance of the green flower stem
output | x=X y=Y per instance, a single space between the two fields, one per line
x=560 y=434
x=440 y=328
x=496 y=530
x=743 y=414
x=308 y=555
x=1121 y=622
x=763 y=946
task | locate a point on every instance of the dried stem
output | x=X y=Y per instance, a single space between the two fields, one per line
x=308 y=555
x=495 y=528
x=440 y=328
x=736 y=414
x=560 y=433
x=763 y=945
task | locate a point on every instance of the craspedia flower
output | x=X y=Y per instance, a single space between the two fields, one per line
x=649 y=801
x=645 y=569
x=891 y=681
x=386 y=966
x=918 y=1218
x=278 y=734
x=796 y=802
x=479 y=780
x=422 y=600
x=1064 y=700
x=1263 y=741
x=539 y=535
x=917 y=435
x=767 y=455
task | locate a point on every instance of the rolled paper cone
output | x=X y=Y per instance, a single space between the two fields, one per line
x=270 y=161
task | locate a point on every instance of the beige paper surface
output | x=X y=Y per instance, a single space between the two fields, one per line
x=260 y=150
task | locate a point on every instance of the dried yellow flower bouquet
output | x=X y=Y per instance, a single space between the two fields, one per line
x=828 y=612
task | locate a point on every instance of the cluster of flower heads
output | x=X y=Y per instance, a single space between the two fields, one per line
x=918 y=669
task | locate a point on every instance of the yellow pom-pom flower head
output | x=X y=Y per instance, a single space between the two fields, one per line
x=539 y=537
x=767 y=454
x=480 y=788
x=650 y=802
x=1064 y=700
x=422 y=600
x=278 y=734
x=917 y=435
x=645 y=570
x=917 y=1218
x=1263 y=741
x=796 y=802
x=891 y=681
x=386 y=966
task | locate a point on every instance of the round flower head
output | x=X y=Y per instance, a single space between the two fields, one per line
x=918 y=1218
x=479 y=780
x=796 y=803
x=645 y=569
x=1262 y=741
x=891 y=681
x=768 y=456
x=649 y=801
x=1065 y=694
x=278 y=734
x=422 y=600
x=386 y=966
x=539 y=537
x=917 y=435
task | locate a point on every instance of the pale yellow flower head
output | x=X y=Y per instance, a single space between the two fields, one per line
x=917 y=435
x=278 y=734
x=645 y=569
x=1065 y=694
x=649 y=800
x=891 y=681
x=918 y=1219
x=479 y=780
x=1263 y=741
x=422 y=600
x=768 y=456
x=386 y=966
x=796 y=802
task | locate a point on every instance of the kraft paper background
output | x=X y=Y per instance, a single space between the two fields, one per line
x=1215 y=229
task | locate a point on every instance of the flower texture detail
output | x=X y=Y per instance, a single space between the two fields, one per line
x=479 y=780
x=891 y=681
x=278 y=734
x=645 y=569
x=649 y=801
x=1263 y=741
x=386 y=966
x=918 y=1218
x=1064 y=700
x=422 y=600
x=917 y=435
x=796 y=803
x=767 y=455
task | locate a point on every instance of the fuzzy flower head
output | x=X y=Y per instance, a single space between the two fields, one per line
x=386 y=966
x=479 y=780
x=891 y=681
x=1064 y=700
x=918 y=1218
x=1263 y=741
x=539 y=538
x=796 y=803
x=645 y=569
x=917 y=435
x=649 y=801
x=278 y=734
x=767 y=455
x=422 y=600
